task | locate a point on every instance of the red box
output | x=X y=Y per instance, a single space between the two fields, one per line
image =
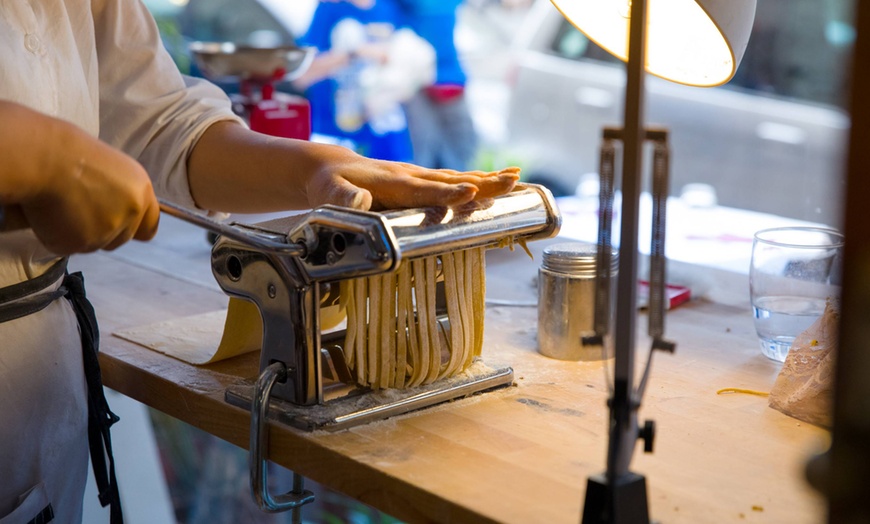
x=674 y=295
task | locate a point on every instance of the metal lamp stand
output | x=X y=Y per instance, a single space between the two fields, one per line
x=618 y=495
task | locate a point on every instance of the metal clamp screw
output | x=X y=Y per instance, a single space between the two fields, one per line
x=259 y=443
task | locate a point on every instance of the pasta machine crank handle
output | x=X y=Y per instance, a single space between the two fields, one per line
x=260 y=242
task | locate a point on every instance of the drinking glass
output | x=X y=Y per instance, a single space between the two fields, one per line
x=793 y=272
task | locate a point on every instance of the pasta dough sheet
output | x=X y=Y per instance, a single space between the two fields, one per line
x=206 y=338
x=214 y=336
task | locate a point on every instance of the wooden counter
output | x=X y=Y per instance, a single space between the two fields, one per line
x=520 y=454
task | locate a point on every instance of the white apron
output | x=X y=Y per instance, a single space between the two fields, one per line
x=53 y=339
x=43 y=407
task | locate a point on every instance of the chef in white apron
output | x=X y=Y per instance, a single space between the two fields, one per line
x=100 y=65
x=49 y=62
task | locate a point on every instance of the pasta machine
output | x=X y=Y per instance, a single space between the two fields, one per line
x=340 y=244
x=291 y=267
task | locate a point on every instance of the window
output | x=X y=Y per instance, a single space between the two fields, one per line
x=798 y=49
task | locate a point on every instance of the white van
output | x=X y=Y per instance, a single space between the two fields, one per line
x=772 y=140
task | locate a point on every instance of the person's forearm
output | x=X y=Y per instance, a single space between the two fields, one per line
x=235 y=170
x=76 y=193
x=23 y=137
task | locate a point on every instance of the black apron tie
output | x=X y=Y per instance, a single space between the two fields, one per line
x=100 y=417
x=24 y=299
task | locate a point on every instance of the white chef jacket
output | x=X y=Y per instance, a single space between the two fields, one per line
x=99 y=64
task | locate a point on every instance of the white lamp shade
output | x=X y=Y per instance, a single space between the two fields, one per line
x=694 y=42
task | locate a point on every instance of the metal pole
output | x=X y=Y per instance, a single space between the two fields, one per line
x=623 y=405
x=619 y=496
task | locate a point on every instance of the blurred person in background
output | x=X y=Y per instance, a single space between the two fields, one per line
x=442 y=132
x=367 y=64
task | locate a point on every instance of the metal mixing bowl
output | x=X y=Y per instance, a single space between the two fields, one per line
x=225 y=60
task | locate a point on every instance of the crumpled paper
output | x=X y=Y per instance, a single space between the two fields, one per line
x=804 y=387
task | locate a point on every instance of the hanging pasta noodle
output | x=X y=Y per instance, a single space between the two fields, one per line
x=393 y=337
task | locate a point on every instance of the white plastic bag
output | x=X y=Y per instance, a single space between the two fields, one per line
x=410 y=65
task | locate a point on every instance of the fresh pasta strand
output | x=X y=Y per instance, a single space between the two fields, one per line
x=388 y=330
x=393 y=336
x=371 y=352
x=470 y=316
x=431 y=320
x=454 y=311
x=422 y=321
x=403 y=307
x=414 y=351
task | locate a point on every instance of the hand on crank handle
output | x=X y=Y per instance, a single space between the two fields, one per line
x=77 y=193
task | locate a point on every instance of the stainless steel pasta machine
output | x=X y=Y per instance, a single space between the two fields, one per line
x=290 y=268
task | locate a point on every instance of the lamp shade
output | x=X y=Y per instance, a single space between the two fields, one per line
x=694 y=42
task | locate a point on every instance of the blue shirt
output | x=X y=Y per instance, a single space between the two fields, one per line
x=334 y=98
x=435 y=21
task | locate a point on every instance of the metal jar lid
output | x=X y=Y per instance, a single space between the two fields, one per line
x=576 y=259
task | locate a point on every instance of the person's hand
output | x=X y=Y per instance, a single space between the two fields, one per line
x=76 y=193
x=351 y=180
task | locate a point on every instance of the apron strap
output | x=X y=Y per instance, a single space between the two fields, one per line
x=22 y=299
x=100 y=417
